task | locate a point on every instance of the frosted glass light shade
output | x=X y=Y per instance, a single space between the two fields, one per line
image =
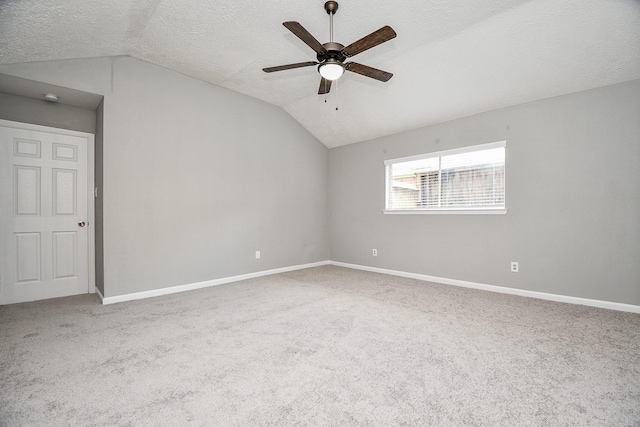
x=331 y=70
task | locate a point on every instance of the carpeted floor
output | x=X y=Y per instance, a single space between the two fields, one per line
x=322 y=346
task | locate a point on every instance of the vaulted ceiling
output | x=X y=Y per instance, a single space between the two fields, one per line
x=450 y=59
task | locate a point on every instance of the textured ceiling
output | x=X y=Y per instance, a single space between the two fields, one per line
x=450 y=59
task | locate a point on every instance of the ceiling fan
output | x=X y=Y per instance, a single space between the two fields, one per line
x=332 y=56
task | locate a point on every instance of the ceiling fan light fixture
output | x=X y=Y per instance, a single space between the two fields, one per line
x=331 y=69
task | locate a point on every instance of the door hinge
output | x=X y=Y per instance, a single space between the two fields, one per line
x=95 y=192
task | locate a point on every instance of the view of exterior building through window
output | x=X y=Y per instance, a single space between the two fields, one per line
x=467 y=179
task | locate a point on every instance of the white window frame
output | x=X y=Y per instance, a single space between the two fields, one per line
x=431 y=211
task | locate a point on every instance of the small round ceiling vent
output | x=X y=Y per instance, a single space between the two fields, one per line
x=50 y=97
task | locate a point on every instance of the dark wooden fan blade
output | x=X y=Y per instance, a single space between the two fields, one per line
x=305 y=36
x=325 y=86
x=365 y=70
x=289 y=66
x=380 y=36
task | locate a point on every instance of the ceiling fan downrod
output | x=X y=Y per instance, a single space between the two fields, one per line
x=331 y=7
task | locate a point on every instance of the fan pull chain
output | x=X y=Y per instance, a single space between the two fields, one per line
x=337 y=92
x=325 y=91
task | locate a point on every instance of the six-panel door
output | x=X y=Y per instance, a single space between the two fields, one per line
x=43 y=205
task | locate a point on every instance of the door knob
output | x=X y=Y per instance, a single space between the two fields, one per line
x=81 y=223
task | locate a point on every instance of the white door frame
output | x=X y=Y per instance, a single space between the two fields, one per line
x=91 y=215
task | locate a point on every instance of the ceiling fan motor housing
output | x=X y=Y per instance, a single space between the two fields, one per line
x=334 y=51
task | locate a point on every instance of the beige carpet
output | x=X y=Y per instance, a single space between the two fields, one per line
x=323 y=346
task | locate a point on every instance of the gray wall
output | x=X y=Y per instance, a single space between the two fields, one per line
x=573 y=199
x=195 y=177
x=99 y=205
x=29 y=110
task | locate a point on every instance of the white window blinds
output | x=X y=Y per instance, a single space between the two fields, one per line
x=472 y=178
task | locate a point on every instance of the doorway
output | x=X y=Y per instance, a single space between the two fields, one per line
x=47 y=244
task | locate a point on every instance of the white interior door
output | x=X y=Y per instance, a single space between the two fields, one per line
x=44 y=232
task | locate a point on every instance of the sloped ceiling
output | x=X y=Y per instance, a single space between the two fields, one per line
x=450 y=59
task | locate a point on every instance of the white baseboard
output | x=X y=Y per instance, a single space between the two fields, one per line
x=443 y=280
x=501 y=289
x=99 y=295
x=205 y=284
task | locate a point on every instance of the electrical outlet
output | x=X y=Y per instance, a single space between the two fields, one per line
x=257 y=254
x=515 y=267
x=375 y=252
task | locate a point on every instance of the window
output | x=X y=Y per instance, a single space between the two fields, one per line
x=466 y=180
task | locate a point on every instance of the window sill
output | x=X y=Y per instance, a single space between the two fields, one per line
x=446 y=212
